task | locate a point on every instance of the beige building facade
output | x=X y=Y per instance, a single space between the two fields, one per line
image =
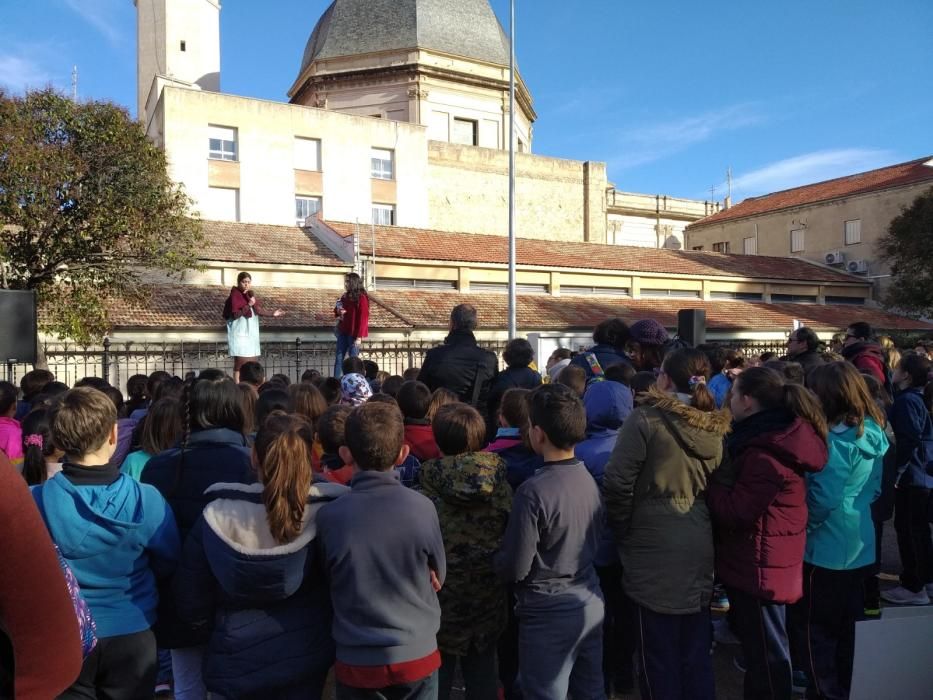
x=836 y=223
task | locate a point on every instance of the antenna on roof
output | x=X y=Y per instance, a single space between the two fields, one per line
x=74 y=83
x=712 y=193
x=729 y=181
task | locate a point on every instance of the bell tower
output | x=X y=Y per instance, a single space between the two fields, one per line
x=177 y=43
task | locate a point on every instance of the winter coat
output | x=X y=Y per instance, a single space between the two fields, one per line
x=463 y=367
x=868 y=357
x=265 y=604
x=606 y=355
x=118 y=537
x=808 y=359
x=607 y=406
x=183 y=475
x=520 y=462
x=509 y=378
x=654 y=489
x=840 y=532
x=473 y=500
x=355 y=320
x=11 y=439
x=719 y=387
x=759 y=504
x=419 y=436
x=913 y=432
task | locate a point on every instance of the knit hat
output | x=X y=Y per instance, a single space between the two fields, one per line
x=354 y=389
x=648 y=332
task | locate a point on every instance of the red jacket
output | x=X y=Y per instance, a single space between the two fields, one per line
x=761 y=519
x=420 y=438
x=237 y=305
x=867 y=357
x=355 y=321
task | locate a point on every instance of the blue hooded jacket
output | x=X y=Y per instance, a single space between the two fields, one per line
x=117 y=536
x=607 y=406
x=913 y=436
x=840 y=531
x=265 y=604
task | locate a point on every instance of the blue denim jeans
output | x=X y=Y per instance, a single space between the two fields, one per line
x=346 y=344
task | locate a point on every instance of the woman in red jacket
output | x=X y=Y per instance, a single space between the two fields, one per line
x=352 y=314
x=758 y=501
x=241 y=312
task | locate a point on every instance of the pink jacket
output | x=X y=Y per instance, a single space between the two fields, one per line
x=11 y=439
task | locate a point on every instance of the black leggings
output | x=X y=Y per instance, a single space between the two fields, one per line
x=120 y=668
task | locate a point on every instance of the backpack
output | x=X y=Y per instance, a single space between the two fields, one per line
x=86 y=627
x=599 y=375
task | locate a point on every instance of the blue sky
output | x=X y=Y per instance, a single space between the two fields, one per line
x=669 y=93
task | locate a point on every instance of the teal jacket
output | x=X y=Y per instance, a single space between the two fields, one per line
x=840 y=533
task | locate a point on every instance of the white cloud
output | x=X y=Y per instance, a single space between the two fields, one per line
x=653 y=142
x=17 y=73
x=809 y=168
x=100 y=14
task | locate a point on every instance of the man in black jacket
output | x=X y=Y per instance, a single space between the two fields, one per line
x=460 y=365
x=802 y=347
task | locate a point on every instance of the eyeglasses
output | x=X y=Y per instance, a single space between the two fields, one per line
x=849 y=335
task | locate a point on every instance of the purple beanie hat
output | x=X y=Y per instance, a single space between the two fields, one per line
x=648 y=332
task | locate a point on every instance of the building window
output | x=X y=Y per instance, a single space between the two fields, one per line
x=750 y=246
x=305 y=207
x=221 y=142
x=183 y=45
x=736 y=296
x=796 y=241
x=857 y=301
x=676 y=293
x=307 y=154
x=384 y=214
x=793 y=298
x=221 y=204
x=382 y=164
x=853 y=231
x=465 y=132
x=721 y=247
x=697 y=247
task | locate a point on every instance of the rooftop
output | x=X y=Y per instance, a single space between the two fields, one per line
x=912 y=172
x=227 y=241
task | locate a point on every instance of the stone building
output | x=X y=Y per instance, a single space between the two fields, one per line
x=836 y=222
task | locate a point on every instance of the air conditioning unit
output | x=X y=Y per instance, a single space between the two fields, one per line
x=857 y=266
x=835 y=257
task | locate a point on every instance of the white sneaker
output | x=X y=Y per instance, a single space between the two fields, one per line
x=901 y=596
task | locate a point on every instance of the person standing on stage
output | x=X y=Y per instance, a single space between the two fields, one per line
x=241 y=312
x=352 y=314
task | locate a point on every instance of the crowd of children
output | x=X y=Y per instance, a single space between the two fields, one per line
x=561 y=536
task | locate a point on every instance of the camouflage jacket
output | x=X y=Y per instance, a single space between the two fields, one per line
x=473 y=500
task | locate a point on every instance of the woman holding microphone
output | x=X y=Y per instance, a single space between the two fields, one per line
x=241 y=312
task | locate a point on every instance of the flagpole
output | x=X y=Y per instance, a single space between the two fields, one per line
x=512 y=299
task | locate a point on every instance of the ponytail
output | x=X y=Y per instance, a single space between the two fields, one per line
x=689 y=370
x=283 y=451
x=37 y=446
x=703 y=399
x=803 y=404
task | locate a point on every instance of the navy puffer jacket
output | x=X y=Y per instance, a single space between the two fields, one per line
x=266 y=604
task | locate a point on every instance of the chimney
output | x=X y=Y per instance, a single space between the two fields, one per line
x=727 y=202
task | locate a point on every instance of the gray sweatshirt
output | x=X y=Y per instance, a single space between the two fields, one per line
x=552 y=538
x=379 y=544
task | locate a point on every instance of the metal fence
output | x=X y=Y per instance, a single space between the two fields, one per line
x=116 y=361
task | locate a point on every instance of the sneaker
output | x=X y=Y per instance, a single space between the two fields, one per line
x=800 y=682
x=722 y=634
x=929 y=589
x=163 y=689
x=739 y=662
x=902 y=596
x=720 y=601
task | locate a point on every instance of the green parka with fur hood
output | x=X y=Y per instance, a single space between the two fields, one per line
x=654 y=491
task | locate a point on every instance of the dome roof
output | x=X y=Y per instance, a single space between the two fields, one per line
x=466 y=28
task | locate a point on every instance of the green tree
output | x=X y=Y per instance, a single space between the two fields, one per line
x=908 y=248
x=86 y=210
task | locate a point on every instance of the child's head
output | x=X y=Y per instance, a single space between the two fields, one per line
x=162 y=427
x=392 y=384
x=83 y=423
x=556 y=416
x=642 y=383
x=518 y=353
x=252 y=373
x=38 y=447
x=621 y=372
x=763 y=388
x=375 y=436
x=311 y=376
x=379 y=397
x=281 y=379
x=8 y=394
x=269 y=401
x=791 y=371
x=307 y=401
x=354 y=389
x=330 y=390
x=440 y=397
x=414 y=399
x=686 y=371
x=213 y=401
x=248 y=398
x=458 y=428
x=574 y=378
x=411 y=374
x=844 y=395
x=353 y=365
x=513 y=409
x=331 y=428
x=370 y=369
x=912 y=371
x=767 y=357
x=116 y=396
x=34 y=382
x=136 y=388
x=283 y=461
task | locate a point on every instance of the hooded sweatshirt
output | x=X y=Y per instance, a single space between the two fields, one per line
x=473 y=500
x=913 y=433
x=654 y=489
x=840 y=531
x=759 y=504
x=117 y=536
x=267 y=603
x=868 y=357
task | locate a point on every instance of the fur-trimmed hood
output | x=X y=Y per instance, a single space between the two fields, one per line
x=699 y=432
x=240 y=550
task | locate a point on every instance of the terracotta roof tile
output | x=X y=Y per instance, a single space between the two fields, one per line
x=424 y=244
x=262 y=243
x=883 y=178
